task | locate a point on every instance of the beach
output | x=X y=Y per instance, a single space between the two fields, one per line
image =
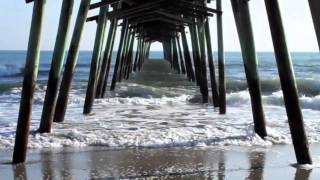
x=225 y=162
x=154 y=126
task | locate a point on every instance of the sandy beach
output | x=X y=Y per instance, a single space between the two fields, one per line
x=225 y=162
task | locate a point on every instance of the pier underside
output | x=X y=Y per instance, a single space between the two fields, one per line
x=183 y=28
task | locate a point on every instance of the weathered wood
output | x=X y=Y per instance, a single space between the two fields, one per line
x=175 y=55
x=137 y=56
x=124 y=54
x=116 y=67
x=214 y=87
x=71 y=62
x=315 y=12
x=56 y=67
x=222 y=81
x=94 y=69
x=128 y=68
x=195 y=53
x=183 y=66
x=288 y=83
x=29 y=83
x=244 y=27
x=106 y=62
x=187 y=56
x=203 y=65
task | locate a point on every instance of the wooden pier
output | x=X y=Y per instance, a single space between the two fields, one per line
x=171 y=23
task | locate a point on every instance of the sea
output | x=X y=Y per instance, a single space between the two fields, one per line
x=161 y=111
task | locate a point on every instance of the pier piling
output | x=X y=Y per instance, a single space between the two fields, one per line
x=187 y=56
x=29 y=83
x=288 y=83
x=222 y=82
x=245 y=32
x=94 y=70
x=71 y=62
x=315 y=12
x=214 y=88
x=56 y=67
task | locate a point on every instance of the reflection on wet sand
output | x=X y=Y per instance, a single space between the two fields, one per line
x=19 y=172
x=257 y=162
x=302 y=174
x=165 y=163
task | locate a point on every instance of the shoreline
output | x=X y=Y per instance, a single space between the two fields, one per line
x=222 y=162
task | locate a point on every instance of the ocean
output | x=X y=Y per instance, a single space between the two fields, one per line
x=161 y=110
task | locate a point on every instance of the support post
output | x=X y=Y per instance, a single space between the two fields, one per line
x=187 y=56
x=71 y=62
x=137 y=56
x=222 y=81
x=203 y=65
x=116 y=67
x=56 y=67
x=29 y=83
x=288 y=83
x=124 y=53
x=244 y=27
x=182 y=63
x=175 y=55
x=91 y=89
x=315 y=12
x=214 y=88
x=195 y=53
x=106 y=62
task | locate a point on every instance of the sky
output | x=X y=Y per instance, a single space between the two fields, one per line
x=16 y=20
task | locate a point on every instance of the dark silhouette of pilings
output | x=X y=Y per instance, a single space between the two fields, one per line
x=288 y=83
x=214 y=87
x=195 y=54
x=244 y=27
x=136 y=61
x=94 y=69
x=187 y=56
x=106 y=61
x=222 y=81
x=182 y=61
x=128 y=65
x=199 y=61
x=119 y=54
x=315 y=12
x=124 y=54
x=176 y=64
x=203 y=65
x=56 y=67
x=29 y=83
x=71 y=62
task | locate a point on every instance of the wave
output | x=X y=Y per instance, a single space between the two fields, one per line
x=307 y=87
x=9 y=70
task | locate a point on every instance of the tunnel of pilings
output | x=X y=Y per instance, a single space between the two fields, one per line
x=183 y=28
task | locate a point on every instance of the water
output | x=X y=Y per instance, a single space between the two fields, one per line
x=161 y=110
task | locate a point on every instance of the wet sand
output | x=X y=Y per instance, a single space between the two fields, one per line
x=227 y=162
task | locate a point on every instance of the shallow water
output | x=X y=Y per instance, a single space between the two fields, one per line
x=219 y=162
x=158 y=108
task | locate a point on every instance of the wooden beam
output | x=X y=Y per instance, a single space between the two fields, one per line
x=288 y=83
x=71 y=62
x=102 y=4
x=29 y=83
x=56 y=67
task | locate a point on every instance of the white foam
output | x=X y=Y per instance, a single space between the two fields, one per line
x=156 y=122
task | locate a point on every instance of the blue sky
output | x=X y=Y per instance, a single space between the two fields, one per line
x=16 y=19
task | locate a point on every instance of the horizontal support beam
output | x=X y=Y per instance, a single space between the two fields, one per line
x=102 y=4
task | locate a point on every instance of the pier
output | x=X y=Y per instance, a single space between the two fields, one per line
x=183 y=28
